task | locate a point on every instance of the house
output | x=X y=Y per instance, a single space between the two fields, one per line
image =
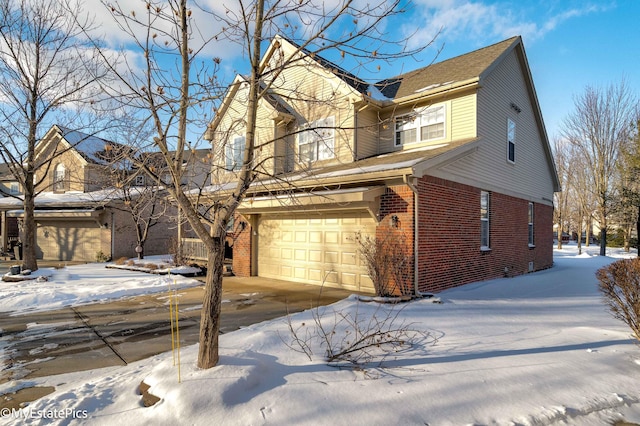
x=452 y=160
x=80 y=214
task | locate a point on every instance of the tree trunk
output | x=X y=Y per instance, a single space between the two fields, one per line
x=580 y=233
x=638 y=231
x=29 y=234
x=603 y=241
x=211 y=305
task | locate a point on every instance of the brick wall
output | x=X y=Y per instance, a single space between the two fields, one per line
x=398 y=201
x=241 y=238
x=449 y=236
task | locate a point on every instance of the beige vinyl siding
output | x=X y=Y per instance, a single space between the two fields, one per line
x=234 y=123
x=462 y=124
x=388 y=127
x=529 y=176
x=315 y=93
x=367 y=133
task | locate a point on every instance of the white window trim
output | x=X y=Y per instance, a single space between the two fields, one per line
x=511 y=140
x=59 y=175
x=14 y=188
x=234 y=152
x=320 y=140
x=486 y=219
x=414 y=122
x=139 y=180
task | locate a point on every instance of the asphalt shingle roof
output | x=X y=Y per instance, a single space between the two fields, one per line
x=460 y=68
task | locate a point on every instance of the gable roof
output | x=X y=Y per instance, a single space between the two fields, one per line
x=464 y=67
x=91 y=148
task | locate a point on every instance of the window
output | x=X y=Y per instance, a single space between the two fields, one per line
x=14 y=188
x=59 y=174
x=484 y=220
x=511 y=140
x=235 y=153
x=139 y=180
x=428 y=124
x=531 y=240
x=318 y=142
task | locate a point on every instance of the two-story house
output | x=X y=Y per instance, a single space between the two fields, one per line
x=81 y=214
x=453 y=159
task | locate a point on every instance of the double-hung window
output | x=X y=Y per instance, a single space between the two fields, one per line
x=59 y=177
x=511 y=140
x=318 y=141
x=484 y=220
x=234 y=154
x=530 y=219
x=14 y=188
x=420 y=126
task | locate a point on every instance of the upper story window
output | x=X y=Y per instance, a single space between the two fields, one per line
x=59 y=175
x=511 y=140
x=318 y=142
x=423 y=125
x=139 y=180
x=484 y=220
x=14 y=188
x=234 y=153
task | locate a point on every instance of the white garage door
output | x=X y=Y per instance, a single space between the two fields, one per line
x=315 y=248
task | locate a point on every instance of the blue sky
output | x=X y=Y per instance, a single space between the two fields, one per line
x=570 y=44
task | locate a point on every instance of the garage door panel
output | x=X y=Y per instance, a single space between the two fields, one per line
x=318 y=249
x=68 y=241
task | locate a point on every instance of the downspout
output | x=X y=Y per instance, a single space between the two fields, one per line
x=408 y=180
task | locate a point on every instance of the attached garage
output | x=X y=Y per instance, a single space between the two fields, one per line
x=315 y=248
x=69 y=240
x=70 y=235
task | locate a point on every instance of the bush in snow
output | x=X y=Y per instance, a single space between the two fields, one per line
x=620 y=285
x=388 y=263
x=360 y=337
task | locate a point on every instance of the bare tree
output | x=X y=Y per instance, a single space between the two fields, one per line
x=561 y=153
x=47 y=72
x=171 y=98
x=598 y=128
x=627 y=210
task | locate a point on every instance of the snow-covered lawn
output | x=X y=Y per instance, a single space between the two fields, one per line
x=82 y=284
x=537 y=349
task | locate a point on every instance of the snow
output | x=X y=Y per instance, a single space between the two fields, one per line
x=68 y=287
x=537 y=349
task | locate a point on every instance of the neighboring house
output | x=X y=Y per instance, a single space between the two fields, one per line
x=9 y=233
x=453 y=160
x=79 y=213
x=196 y=168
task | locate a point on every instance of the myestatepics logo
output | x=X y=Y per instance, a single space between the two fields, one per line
x=27 y=413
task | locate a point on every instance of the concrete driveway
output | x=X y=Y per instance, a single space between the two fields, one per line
x=120 y=332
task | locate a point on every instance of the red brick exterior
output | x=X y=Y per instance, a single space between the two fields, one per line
x=398 y=202
x=449 y=252
x=242 y=247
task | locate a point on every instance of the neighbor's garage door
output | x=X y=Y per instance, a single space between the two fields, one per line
x=315 y=248
x=68 y=240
